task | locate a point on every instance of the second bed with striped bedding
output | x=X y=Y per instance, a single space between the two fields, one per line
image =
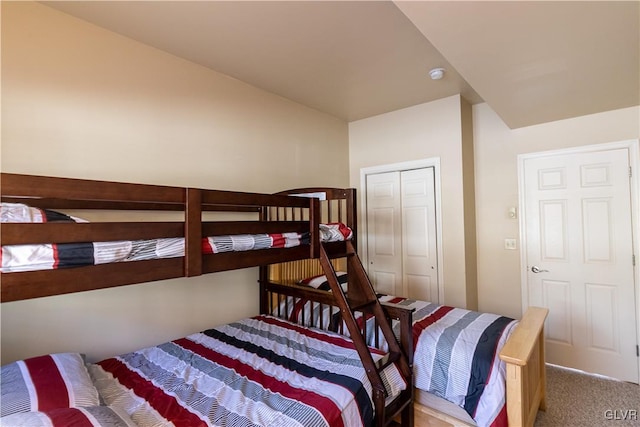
x=456 y=351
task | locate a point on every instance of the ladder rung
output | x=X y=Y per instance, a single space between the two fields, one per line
x=338 y=251
x=366 y=304
x=341 y=254
x=387 y=360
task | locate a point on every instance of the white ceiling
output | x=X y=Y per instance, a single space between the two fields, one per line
x=532 y=62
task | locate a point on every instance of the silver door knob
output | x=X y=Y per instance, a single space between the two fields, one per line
x=536 y=269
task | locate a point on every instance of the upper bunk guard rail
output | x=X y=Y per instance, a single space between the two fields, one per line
x=71 y=193
x=338 y=205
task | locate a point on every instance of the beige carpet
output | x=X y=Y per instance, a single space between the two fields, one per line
x=578 y=399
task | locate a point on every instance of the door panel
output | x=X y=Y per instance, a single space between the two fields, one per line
x=553 y=223
x=602 y=330
x=421 y=288
x=557 y=298
x=579 y=236
x=419 y=267
x=384 y=232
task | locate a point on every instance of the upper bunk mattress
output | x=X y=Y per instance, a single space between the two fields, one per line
x=32 y=257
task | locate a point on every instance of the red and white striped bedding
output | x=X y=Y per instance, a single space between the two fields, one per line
x=88 y=416
x=455 y=351
x=49 y=256
x=258 y=371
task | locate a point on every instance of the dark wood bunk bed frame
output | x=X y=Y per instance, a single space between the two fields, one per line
x=277 y=213
x=523 y=353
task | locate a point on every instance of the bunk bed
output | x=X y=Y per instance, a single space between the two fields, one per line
x=81 y=256
x=517 y=369
x=280 y=270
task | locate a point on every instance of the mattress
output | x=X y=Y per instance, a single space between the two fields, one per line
x=32 y=257
x=455 y=351
x=257 y=371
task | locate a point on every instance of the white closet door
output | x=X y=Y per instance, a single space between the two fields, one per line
x=419 y=245
x=384 y=232
x=401 y=233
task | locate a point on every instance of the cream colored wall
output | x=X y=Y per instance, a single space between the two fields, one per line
x=496 y=151
x=424 y=131
x=79 y=101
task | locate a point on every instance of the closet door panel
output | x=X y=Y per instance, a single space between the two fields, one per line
x=419 y=257
x=384 y=232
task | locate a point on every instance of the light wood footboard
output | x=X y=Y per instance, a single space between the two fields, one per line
x=526 y=377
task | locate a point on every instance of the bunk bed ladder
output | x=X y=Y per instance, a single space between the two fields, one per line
x=362 y=297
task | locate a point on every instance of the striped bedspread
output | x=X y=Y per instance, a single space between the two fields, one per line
x=259 y=371
x=455 y=351
x=50 y=256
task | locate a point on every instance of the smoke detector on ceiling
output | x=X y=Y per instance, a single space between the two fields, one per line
x=436 y=73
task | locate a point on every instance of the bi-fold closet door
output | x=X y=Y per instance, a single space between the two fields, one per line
x=401 y=233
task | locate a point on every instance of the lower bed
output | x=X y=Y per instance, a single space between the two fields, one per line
x=258 y=371
x=455 y=352
x=460 y=372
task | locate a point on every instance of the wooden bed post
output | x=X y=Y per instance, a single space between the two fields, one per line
x=264 y=272
x=352 y=221
x=543 y=371
x=314 y=220
x=193 y=233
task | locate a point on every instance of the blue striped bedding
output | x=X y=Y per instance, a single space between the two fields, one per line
x=455 y=351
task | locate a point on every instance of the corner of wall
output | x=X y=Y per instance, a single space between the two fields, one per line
x=468 y=185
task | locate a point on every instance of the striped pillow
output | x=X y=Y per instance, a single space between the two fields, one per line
x=18 y=212
x=46 y=382
x=90 y=416
x=321 y=282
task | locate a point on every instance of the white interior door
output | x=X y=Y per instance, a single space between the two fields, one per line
x=579 y=253
x=419 y=244
x=401 y=233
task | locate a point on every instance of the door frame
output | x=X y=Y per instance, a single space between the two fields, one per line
x=433 y=162
x=633 y=146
